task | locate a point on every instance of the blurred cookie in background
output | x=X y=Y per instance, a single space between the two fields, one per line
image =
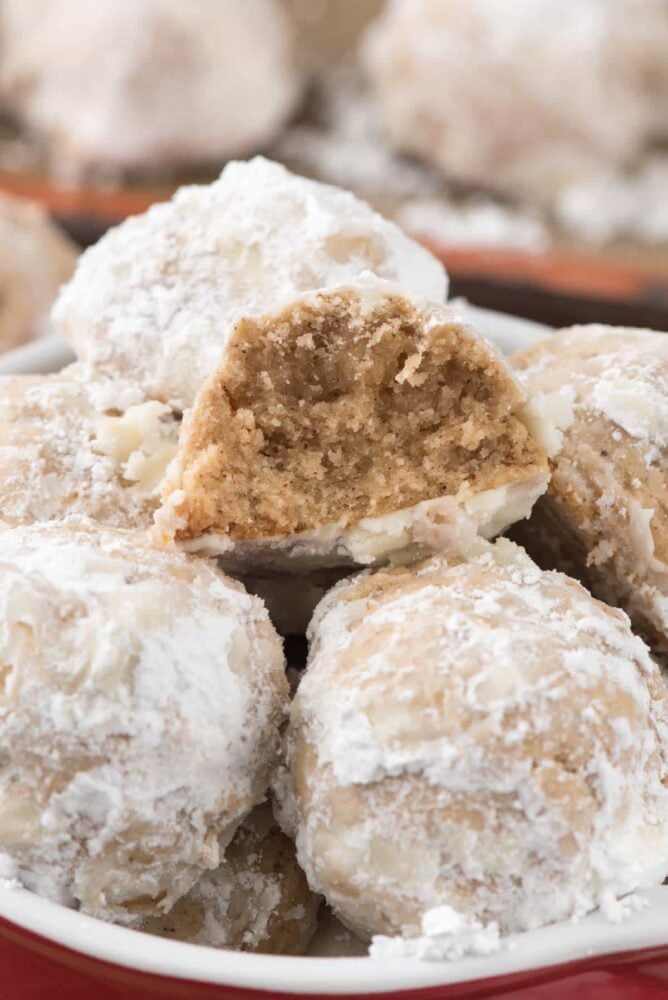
x=328 y=30
x=36 y=258
x=524 y=98
x=142 y=85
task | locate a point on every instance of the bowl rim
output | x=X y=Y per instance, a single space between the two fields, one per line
x=560 y=944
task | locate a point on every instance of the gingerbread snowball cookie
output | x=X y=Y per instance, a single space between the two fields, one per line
x=141 y=704
x=147 y=84
x=351 y=426
x=258 y=900
x=155 y=300
x=525 y=97
x=75 y=447
x=604 y=517
x=36 y=258
x=477 y=735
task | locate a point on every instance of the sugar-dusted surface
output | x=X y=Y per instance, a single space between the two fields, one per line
x=605 y=516
x=156 y=298
x=141 y=699
x=72 y=446
x=257 y=900
x=480 y=735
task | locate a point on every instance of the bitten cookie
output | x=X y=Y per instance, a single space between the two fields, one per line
x=352 y=426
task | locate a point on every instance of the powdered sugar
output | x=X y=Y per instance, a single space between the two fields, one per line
x=479 y=735
x=618 y=910
x=608 y=482
x=155 y=298
x=446 y=936
x=632 y=392
x=256 y=900
x=72 y=446
x=139 y=713
x=619 y=373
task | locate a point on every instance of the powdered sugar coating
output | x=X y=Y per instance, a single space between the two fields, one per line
x=148 y=83
x=446 y=936
x=75 y=447
x=35 y=259
x=617 y=372
x=479 y=735
x=141 y=699
x=607 y=504
x=525 y=97
x=155 y=299
x=258 y=900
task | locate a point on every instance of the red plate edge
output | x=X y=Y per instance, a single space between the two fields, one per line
x=34 y=968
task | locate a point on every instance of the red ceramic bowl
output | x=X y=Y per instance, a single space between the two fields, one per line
x=49 y=952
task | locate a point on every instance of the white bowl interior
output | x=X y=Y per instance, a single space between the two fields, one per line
x=554 y=945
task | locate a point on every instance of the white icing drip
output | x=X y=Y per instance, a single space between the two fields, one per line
x=546 y=417
x=640 y=524
x=446 y=524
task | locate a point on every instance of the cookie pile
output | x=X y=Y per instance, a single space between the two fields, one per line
x=271 y=385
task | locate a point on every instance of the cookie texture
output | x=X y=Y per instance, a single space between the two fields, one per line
x=477 y=735
x=258 y=900
x=155 y=299
x=604 y=517
x=353 y=424
x=141 y=700
x=76 y=447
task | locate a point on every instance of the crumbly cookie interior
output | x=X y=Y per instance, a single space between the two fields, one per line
x=332 y=411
